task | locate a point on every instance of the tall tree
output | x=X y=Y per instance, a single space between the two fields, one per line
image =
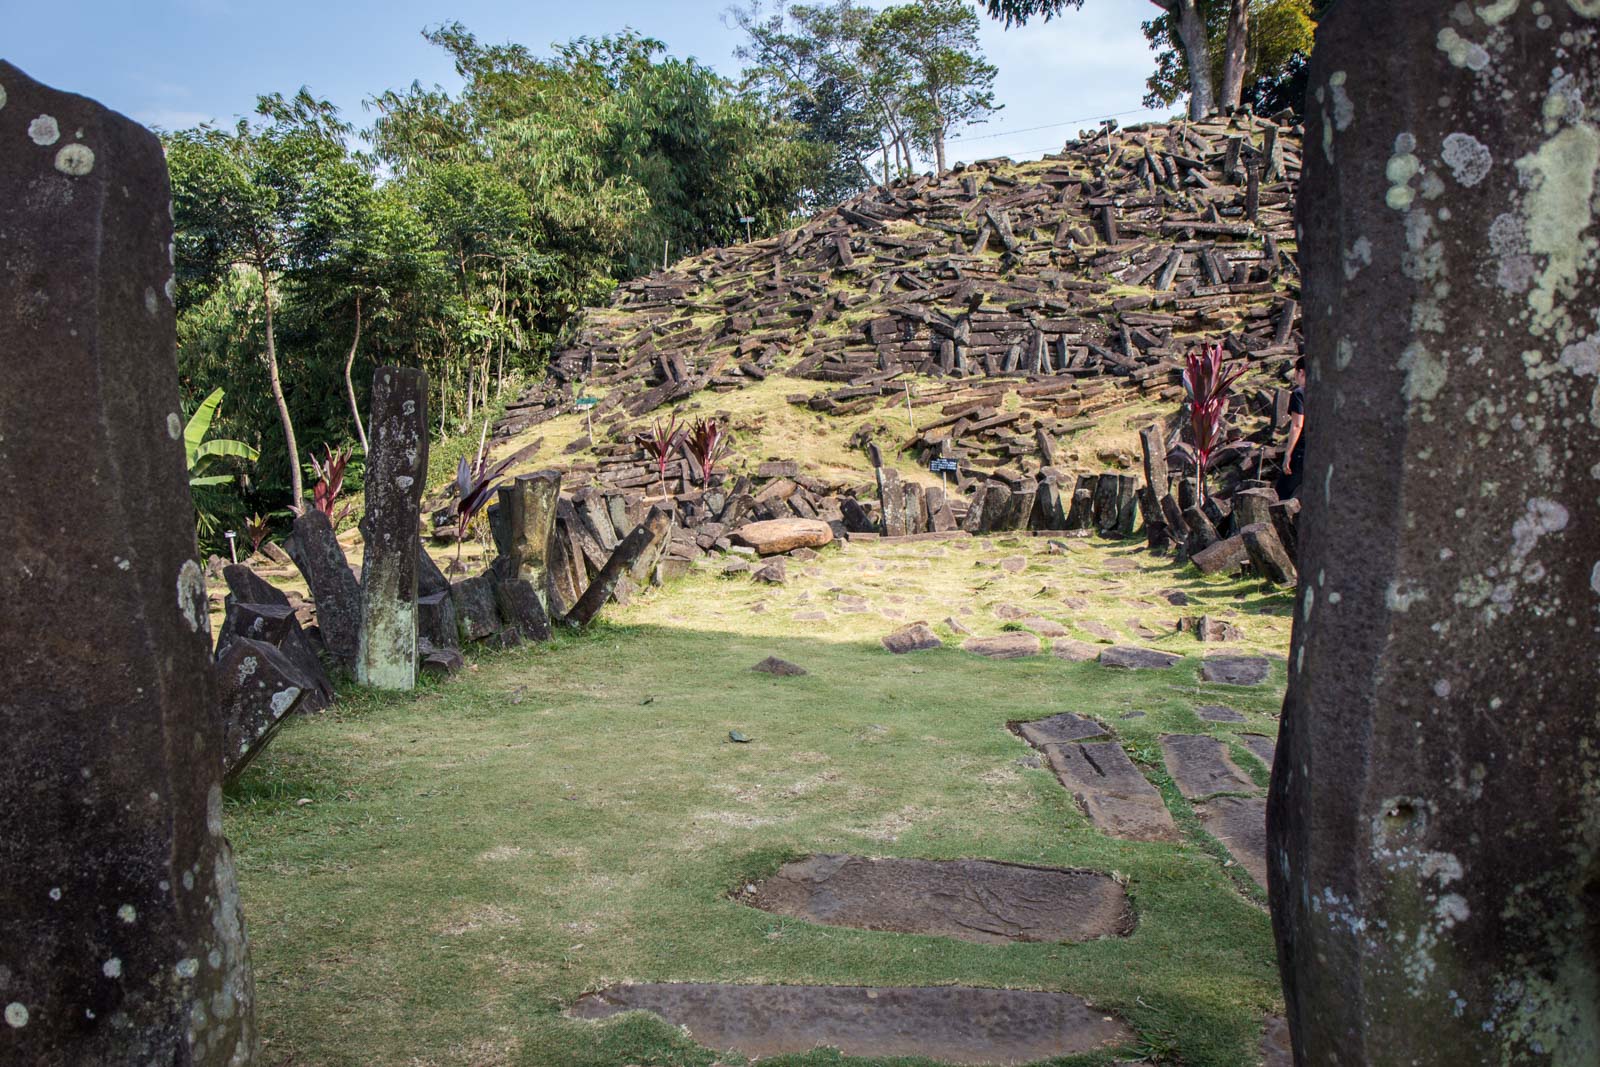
x=1250 y=42
x=1184 y=16
x=947 y=81
x=241 y=198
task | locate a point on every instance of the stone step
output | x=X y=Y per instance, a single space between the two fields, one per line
x=1118 y=800
x=1200 y=764
x=1240 y=823
x=949 y=1024
x=972 y=900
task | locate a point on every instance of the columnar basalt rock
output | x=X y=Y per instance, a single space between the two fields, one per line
x=530 y=506
x=121 y=939
x=317 y=552
x=1436 y=797
x=397 y=467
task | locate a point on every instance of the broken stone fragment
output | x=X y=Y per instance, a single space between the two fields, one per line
x=916 y=637
x=775 y=536
x=258 y=689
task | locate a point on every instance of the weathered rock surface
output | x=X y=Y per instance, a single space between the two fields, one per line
x=1201 y=767
x=645 y=539
x=111 y=765
x=1240 y=823
x=278 y=626
x=783 y=535
x=1264 y=747
x=1447 y=870
x=918 y=637
x=1075 y=651
x=258 y=689
x=1014 y=645
x=397 y=467
x=1221 y=557
x=949 y=1024
x=316 y=551
x=1134 y=658
x=1219 y=713
x=1236 y=670
x=1118 y=800
x=1059 y=730
x=971 y=900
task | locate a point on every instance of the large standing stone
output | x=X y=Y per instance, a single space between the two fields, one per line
x=1436 y=799
x=397 y=467
x=334 y=589
x=529 y=507
x=120 y=934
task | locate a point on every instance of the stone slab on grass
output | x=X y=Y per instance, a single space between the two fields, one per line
x=783 y=535
x=1200 y=765
x=1076 y=651
x=971 y=900
x=1236 y=670
x=781 y=668
x=949 y=1024
x=1118 y=800
x=1240 y=823
x=1014 y=645
x=1264 y=747
x=1060 y=729
x=1219 y=713
x=917 y=637
x=1134 y=658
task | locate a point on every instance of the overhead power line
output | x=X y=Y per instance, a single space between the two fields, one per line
x=1047 y=126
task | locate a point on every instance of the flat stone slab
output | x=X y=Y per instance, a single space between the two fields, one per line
x=917 y=637
x=1059 y=730
x=1015 y=645
x=1134 y=658
x=1240 y=823
x=783 y=535
x=1219 y=713
x=949 y=1024
x=1118 y=800
x=1075 y=651
x=1043 y=627
x=1264 y=747
x=1200 y=765
x=1236 y=670
x=1276 y=1050
x=971 y=900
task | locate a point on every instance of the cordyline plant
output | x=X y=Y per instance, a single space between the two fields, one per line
x=1206 y=382
x=475 y=482
x=708 y=442
x=330 y=483
x=256 y=527
x=659 y=442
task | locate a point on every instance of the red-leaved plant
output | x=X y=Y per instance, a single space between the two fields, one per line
x=659 y=442
x=330 y=483
x=708 y=442
x=1206 y=382
x=256 y=527
x=475 y=482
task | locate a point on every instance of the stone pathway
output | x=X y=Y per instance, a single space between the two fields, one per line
x=1134 y=658
x=1200 y=764
x=1236 y=670
x=1240 y=823
x=1118 y=799
x=971 y=900
x=1013 y=645
x=949 y=1024
x=1061 y=729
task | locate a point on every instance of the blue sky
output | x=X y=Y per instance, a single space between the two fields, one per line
x=174 y=63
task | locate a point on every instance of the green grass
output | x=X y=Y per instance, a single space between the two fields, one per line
x=432 y=879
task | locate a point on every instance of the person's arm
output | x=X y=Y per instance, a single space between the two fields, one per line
x=1297 y=422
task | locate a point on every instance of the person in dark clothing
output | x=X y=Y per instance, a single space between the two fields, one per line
x=1295 y=454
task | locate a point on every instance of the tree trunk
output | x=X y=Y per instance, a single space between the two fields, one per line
x=938 y=148
x=296 y=487
x=1191 y=28
x=349 y=384
x=885 y=162
x=1235 y=53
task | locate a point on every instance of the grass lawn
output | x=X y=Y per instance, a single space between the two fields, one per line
x=432 y=879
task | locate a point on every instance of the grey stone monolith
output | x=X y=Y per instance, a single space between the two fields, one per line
x=121 y=939
x=529 y=506
x=397 y=467
x=316 y=551
x=1435 y=815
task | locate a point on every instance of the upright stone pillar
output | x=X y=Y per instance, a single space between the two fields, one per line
x=121 y=940
x=530 y=504
x=1434 y=821
x=397 y=467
